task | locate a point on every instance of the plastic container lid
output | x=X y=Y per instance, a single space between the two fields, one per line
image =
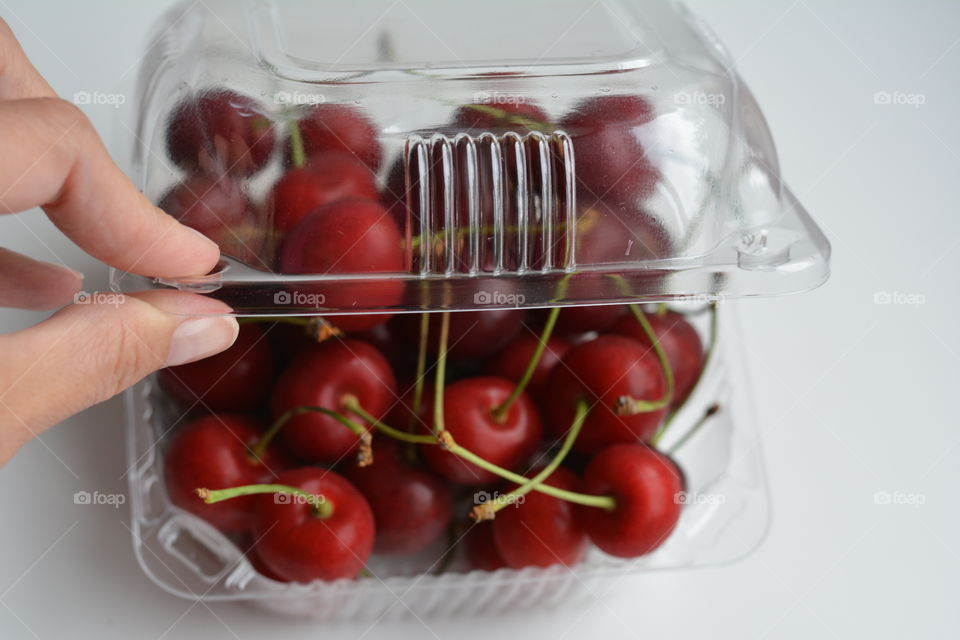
x=386 y=157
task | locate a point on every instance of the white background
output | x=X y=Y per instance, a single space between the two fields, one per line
x=853 y=397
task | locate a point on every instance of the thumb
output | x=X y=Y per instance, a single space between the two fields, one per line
x=90 y=351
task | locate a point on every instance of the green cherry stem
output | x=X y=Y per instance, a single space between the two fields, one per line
x=319 y=329
x=364 y=456
x=500 y=413
x=321 y=508
x=626 y=405
x=421 y=368
x=441 y=374
x=487 y=510
x=298 y=157
x=709 y=413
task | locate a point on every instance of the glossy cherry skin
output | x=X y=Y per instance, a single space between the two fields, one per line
x=601 y=371
x=610 y=157
x=473 y=334
x=467 y=409
x=238 y=379
x=480 y=549
x=510 y=113
x=680 y=341
x=576 y=320
x=513 y=359
x=219 y=132
x=411 y=506
x=299 y=546
x=542 y=530
x=329 y=177
x=647 y=487
x=322 y=376
x=353 y=236
x=212 y=452
x=336 y=127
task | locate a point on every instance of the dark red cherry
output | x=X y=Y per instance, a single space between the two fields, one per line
x=479 y=548
x=609 y=147
x=323 y=376
x=238 y=379
x=468 y=415
x=473 y=334
x=509 y=113
x=214 y=452
x=336 y=127
x=540 y=530
x=680 y=341
x=329 y=177
x=220 y=131
x=350 y=236
x=297 y=544
x=512 y=361
x=602 y=372
x=647 y=487
x=411 y=506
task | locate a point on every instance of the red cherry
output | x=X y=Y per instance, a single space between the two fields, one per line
x=322 y=376
x=329 y=177
x=220 y=131
x=646 y=486
x=468 y=415
x=509 y=113
x=575 y=320
x=481 y=551
x=214 y=452
x=512 y=361
x=350 y=236
x=541 y=530
x=607 y=144
x=602 y=371
x=411 y=507
x=681 y=343
x=237 y=379
x=473 y=334
x=298 y=545
x=217 y=208
x=335 y=127
x=403 y=416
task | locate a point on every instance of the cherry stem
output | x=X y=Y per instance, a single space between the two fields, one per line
x=441 y=374
x=487 y=510
x=321 y=508
x=319 y=329
x=627 y=405
x=500 y=413
x=511 y=118
x=446 y=441
x=706 y=362
x=709 y=413
x=421 y=368
x=298 y=157
x=364 y=456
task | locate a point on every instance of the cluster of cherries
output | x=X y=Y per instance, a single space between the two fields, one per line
x=338 y=209
x=316 y=448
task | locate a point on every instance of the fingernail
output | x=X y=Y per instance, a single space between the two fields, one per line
x=198 y=338
x=76 y=273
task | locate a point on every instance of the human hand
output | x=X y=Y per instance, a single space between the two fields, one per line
x=86 y=353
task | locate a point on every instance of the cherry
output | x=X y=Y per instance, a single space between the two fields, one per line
x=323 y=375
x=512 y=361
x=473 y=334
x=411 y=506
x=329 y=177
x=214 y=451
x=220 y=131
x=607 y=144
x=679 y=340
x=336 y=127
x=646 y=486
x=352 y=236
x=468 y=417
x=511 y=113
x=237 y=379
x=480 y=549
x=540 y=530
x=604 y=371
x=403 y=415
x=217 y=208
x=300 y=543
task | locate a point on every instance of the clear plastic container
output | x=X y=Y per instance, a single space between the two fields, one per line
x=611 y=154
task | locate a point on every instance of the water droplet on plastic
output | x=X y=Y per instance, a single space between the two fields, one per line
x=604 y=89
